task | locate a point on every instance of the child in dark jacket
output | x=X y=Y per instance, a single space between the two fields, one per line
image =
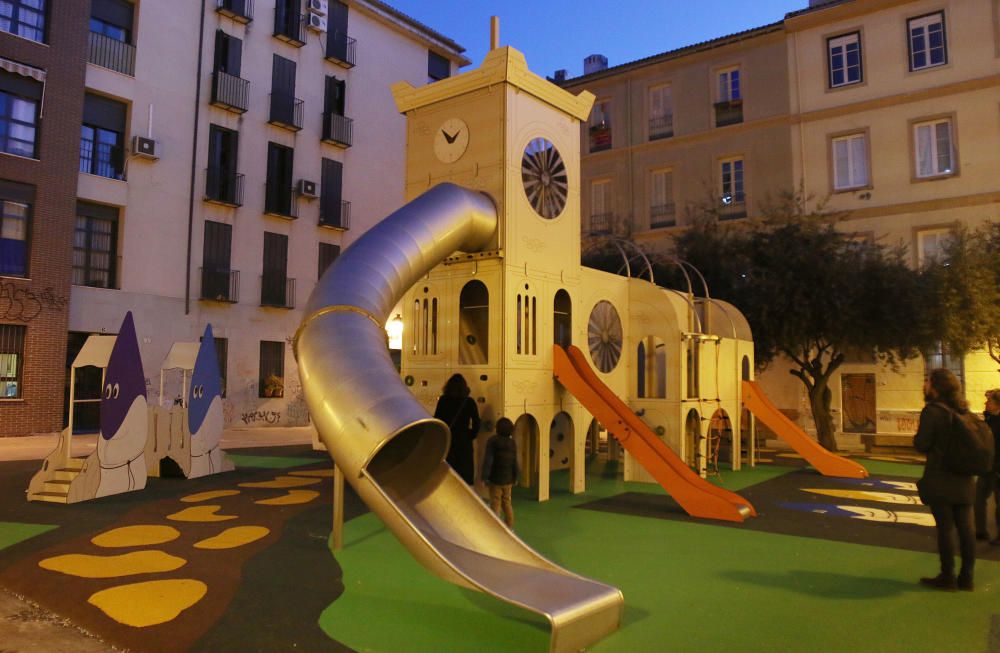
x=500 y=470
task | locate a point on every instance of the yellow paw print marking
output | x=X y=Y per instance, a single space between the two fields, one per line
x=208 y=496
x=200 y=514
x=282 y=482
x=291 y=498
x=150 y=603
x=139 y=535
x=317 y=473
x=127 y=564
x=233 y=537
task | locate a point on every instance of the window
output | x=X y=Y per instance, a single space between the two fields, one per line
x=340 y=48
x=271 y=380
x=222 y=353
x=661 y=112
x=438 y=67
x=286 y=109
x=20 y=97
x=337 y=129
x=218 y=281
x=95 y=246
x=934 y=150
x=693 y=368
x=732 y=197
x=600 y=207
x=850 y=162
x=844 y=54
x=425 y=325
x=527 y=318
x=228 y=54
x=942 y=356
x=928 y=47
x=229 y=90
x=729 y=85
x=278 y=196
x=15 y=228
x=474 y=324
x=333 y=210
x=275 y=287
x=11 y=360
x=102 y=137
x=932 y=245
x=288 y=21
x=222 y=183
x=112 y=19
x=23 y=17
x=662 y=211
x=729 y=99
x=600 y=126
x=328 y=253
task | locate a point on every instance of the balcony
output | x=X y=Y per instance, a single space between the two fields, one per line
x=230 y=92
x=601 y=224
x=337 y=218
x=277 y=291
x=662 y=215
x=288 y=24
x=600 y=138
x=239 y=10
x=220 y=285
x=280 y=200
x=223 y=186
x=111 y=54
x=732 y=210
x=661 y=127
x=286 y=111
x=728 y=112
x=338 y=130
x=341 y=49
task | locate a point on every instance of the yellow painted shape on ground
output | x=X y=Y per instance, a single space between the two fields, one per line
x=282 y=482
x=200 y=514
x=291 y=498
x=233 y=537
x=318 y=473
x=138 y=535
x=150 y=603
x=905 y=486
x=889 y=516
x=867 y=495
x=117 y=566
x=208 y=496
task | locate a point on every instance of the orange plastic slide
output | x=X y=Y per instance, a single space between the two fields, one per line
x=696 y=495
x=826 y=462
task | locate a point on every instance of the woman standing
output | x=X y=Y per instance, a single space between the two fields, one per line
x=458 y=410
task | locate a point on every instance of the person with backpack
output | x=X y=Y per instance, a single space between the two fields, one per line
x=500 y=469
x=947 y=485
x=458 y=410
x=989 y=483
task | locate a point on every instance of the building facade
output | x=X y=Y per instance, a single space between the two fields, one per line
x=224 y=153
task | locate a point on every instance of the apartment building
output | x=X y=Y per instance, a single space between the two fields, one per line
x=224 y=152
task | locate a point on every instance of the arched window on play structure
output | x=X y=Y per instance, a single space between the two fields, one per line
x=693 y=372
x=562 y=319
x=746 y=368
x=474 y=324
x=652 y=368
x=425 y=325
x=527 y=312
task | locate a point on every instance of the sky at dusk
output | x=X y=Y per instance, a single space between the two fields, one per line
x=557 y=34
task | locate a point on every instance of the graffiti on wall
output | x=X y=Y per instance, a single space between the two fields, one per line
x=24 y=305
x=261 y=417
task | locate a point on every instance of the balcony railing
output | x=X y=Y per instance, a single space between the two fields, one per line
x=733 y=210
x=281 y=200
x=220 y=285
x=230 y=92
x=239 y=10
x=728 y=112
x=286 y=111
x=277 y=291
x=112 y=54
x=601 y=223
x=661 y=127
x=341 y=49
x=288 y=24
x=338 y=129
x=338 y=217
x=223 y=186
x=662 y=215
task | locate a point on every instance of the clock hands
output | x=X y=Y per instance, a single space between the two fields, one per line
x=448 y=137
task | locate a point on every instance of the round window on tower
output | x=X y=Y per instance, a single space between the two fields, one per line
x=543 y=174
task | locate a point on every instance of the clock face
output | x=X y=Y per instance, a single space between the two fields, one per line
x=451 y=140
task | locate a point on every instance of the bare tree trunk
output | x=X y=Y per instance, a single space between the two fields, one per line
x=820 y=398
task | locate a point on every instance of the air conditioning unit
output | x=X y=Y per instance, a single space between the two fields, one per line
x=315 y=22
x=320 y=7
x=144 y=147
x=307 y=188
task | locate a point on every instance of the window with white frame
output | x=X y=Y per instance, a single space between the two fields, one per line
x=932 y=246
x=661 y=112
x=729 y=85
x=927 y=42
x=662 y=211
x=844 y=54
x=850 y=161
x=600 y=206
x=933 y=148
x=731 y=178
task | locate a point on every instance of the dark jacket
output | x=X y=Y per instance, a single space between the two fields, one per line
x=993 y=421
x=500 y=462
x=462 y=417
x=938 y=485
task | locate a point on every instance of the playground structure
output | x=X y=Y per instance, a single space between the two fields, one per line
x=135 y=439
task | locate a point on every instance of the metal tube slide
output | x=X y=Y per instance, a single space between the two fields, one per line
x=392 y=451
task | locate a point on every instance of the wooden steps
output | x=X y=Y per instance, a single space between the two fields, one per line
x=56 y=489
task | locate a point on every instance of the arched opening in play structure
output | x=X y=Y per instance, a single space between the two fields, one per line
x=692 y=438
x=651 y=368
x=561 y=443
x=747 y=427
x=720 y=438
x=562 y=319
x=526 y=436
x=602 y=451
x=474 y=324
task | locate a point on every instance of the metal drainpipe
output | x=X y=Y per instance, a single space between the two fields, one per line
x=194 y=160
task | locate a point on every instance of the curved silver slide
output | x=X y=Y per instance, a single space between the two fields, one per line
x=392 y=451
